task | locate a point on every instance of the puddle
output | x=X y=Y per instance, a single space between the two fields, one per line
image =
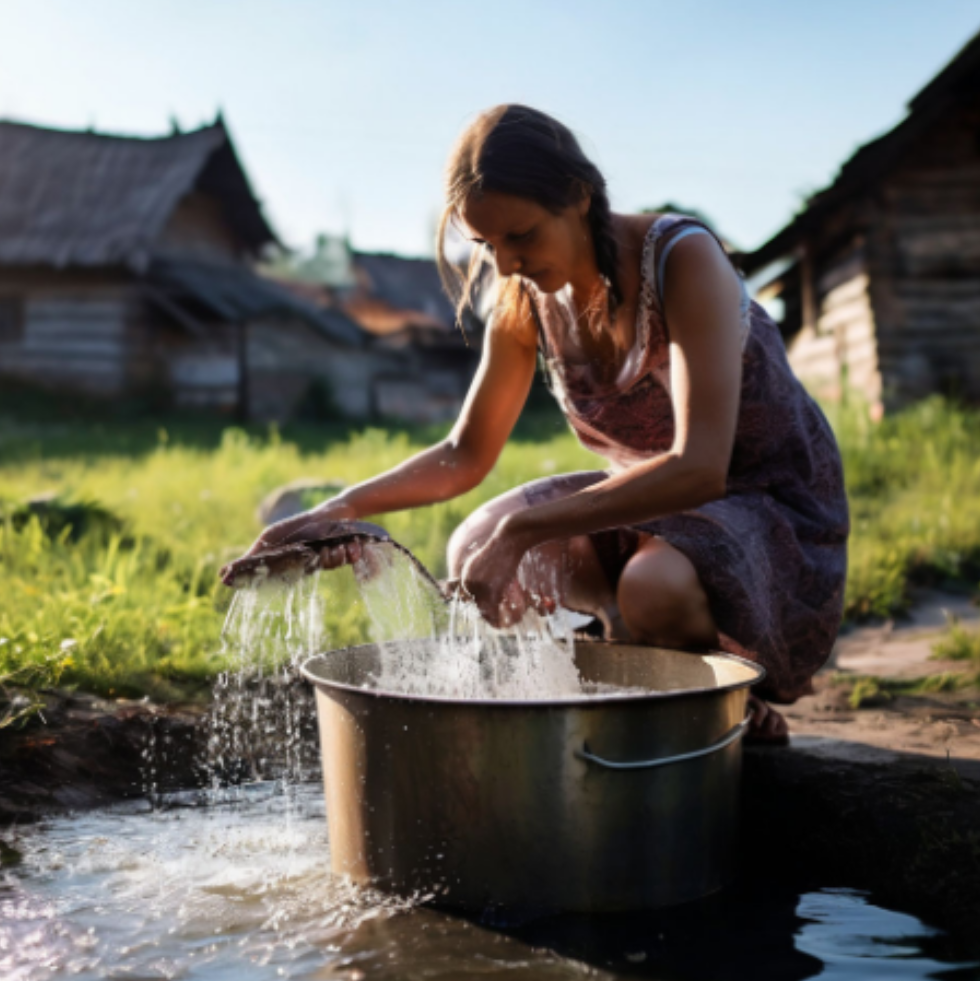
x=239 y=889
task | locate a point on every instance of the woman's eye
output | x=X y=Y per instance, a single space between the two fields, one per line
x=523 y=236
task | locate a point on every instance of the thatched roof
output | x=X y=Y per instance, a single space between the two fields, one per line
x=870 y=162
x=88 y=199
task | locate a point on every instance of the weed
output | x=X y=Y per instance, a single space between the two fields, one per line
x=958 y=643
x=870 y=690
x=117 y=567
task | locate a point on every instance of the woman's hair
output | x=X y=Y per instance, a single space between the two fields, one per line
x=513 y=149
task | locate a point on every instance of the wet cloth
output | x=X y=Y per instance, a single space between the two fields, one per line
x=771 y=554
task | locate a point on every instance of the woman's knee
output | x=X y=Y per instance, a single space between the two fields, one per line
x=661 y=599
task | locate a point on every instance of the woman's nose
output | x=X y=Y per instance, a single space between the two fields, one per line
x=507 y=262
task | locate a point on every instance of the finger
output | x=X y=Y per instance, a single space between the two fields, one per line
x=355 y=551
x=545 y=605
x=329 y=558
x=230 y=572
x=513 y=606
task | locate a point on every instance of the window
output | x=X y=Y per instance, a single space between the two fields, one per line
x=11 y=319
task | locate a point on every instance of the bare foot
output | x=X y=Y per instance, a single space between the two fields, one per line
x=767 y=726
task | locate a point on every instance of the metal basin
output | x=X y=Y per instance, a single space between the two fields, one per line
x=589 y=804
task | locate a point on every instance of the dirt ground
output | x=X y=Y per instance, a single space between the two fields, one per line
x=935 y=725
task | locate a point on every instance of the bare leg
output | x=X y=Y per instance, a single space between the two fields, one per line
x=662 y=602
x=659 y=598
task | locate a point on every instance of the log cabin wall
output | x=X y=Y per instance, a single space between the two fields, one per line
x=927 y=288
x=836 y=344
x=66 y=330
x=285 y=357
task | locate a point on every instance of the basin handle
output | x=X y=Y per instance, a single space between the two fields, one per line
x=736 y=732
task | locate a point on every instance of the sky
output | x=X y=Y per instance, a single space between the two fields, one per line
x=344 y=113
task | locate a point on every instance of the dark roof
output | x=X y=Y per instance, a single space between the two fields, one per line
x=870 y=161
x=232 y=293
x=89 y=199
x=406 y=284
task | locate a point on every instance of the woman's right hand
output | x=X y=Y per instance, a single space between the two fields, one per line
x=305 y=527
x=318 y=522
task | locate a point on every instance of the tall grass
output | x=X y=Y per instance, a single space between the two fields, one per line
x=135 y=607
x=139 y=610
x=913 y=482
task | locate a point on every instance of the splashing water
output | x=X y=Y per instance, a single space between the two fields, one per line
x=261 y=723
x=451 y=651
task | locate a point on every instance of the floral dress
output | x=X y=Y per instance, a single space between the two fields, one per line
x=772 y=553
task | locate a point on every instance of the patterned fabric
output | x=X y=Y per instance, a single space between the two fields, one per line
x=771 y=555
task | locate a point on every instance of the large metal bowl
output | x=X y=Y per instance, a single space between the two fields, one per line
x=606 y=802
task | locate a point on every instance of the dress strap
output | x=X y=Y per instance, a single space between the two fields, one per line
x=683 y=233
x=665 y=233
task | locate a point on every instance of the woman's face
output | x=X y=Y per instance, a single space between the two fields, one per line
x=528 y=240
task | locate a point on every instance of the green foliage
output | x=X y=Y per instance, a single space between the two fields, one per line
x=132 y=604
x=111 y=584
x=913 y=481
x=958 y=643
x=868 y=691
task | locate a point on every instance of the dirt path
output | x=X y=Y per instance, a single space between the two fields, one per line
x=931 y=725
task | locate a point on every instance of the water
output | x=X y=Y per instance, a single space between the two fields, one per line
x=233 y=882
x=457 y=654
x=240 y=890
x=428 y=647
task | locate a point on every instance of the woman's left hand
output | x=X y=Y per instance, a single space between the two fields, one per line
x=490 y=578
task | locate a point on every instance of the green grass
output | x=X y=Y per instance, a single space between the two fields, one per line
x=870 y=690
x=137 y=607
x=959 y=643
x=913 y=482
x=129 y=603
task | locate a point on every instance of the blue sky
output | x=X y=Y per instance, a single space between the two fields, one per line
x=344 y=112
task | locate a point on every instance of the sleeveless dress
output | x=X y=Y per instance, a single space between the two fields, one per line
x=772 y=554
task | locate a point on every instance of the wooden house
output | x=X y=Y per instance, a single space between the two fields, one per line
x=126 y=268
x=878 y=277
x=400 y=302
x=425 y=362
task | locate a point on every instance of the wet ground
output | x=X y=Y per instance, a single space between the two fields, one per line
x=240 y=889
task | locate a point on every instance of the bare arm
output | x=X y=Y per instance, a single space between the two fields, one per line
x=702 y=303
x=456 y=464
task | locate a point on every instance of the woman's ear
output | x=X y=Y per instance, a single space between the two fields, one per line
x=585 y=199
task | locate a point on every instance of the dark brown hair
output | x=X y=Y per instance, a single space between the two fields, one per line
x=513 y=149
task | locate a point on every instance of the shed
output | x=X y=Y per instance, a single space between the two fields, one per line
x=126 y=267
x=878 y=277
x=401 y=303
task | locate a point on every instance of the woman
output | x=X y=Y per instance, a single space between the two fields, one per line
x=721 y=521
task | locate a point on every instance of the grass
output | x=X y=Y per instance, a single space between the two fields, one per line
x=959 y=643
x=121 y=597
x=871 y=690
x=913 y=482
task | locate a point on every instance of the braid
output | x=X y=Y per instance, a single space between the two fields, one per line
x=606 y=247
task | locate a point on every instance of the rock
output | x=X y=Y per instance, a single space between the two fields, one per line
x=903 y=826
x=291 y=498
